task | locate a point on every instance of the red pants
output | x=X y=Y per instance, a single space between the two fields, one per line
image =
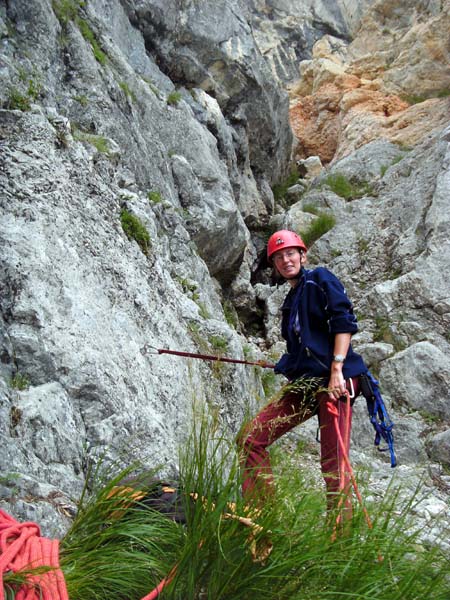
x=280 y=416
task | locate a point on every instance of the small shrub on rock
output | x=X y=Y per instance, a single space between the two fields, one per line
x=135 y=230
x=343 y=187
x=20 y=382
x=174 y=98
x=18 y=101
x=318 y=228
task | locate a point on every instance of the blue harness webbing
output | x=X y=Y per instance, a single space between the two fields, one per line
x=379 y=416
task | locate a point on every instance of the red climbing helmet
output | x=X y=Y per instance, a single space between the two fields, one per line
x=284 y=239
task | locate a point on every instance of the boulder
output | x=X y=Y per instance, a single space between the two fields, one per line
x=419 y=377
x=440 y=447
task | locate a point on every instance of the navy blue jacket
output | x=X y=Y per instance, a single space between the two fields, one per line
x=313 y=312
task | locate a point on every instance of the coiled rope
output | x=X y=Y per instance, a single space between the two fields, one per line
x=22 y=548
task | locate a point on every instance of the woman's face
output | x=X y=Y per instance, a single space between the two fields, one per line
x=289 y=262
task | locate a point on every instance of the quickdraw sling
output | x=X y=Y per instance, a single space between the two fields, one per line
x=379 y=417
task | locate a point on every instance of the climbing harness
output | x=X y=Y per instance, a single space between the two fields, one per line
x=149 y=349
x=379 y=417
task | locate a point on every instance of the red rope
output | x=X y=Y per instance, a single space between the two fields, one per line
x=333 y=409
x=161 y=585
x=23 y=548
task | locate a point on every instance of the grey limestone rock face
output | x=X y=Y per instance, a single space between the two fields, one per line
x=175 y=116
x=79 y=301
x=286 y=30
x=420 y=378
x=210 y=45
x=118 y=95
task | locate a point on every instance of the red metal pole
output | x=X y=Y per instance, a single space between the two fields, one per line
x=259 y=363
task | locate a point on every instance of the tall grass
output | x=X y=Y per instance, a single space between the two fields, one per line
x=116 y=547
x=385 y=562
x=119 y=548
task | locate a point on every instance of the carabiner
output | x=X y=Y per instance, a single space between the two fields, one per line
x=352 y=389
x=149 y=349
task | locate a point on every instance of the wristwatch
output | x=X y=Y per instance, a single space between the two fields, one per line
x=339 y=358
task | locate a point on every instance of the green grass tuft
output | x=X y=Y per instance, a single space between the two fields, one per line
x=18 y=101
x=99 y=142
x=116 y=548
x=174 y=98
x=203 y=311
x=66 y=10
x=311 y=209
x=269 y=382
x=89 y=36
x=230 y=314
x=82 y=99
x=135 y=230
x=418 y=98
x=343 y=187
x=280 y=189
x=384 y=333
x=323 y=223
x=69 y=10
x=154 y=196
x=127 y=91
x=218 y=343
x=20 y=382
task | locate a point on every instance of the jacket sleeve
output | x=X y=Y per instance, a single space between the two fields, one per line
x=339 y=309
x=281 y=365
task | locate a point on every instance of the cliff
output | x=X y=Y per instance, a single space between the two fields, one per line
x=140 y=144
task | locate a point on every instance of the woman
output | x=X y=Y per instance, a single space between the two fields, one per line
x=317 y=324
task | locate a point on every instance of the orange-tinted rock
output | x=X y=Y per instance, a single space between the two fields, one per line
x=315 y=123
x=349 y=96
